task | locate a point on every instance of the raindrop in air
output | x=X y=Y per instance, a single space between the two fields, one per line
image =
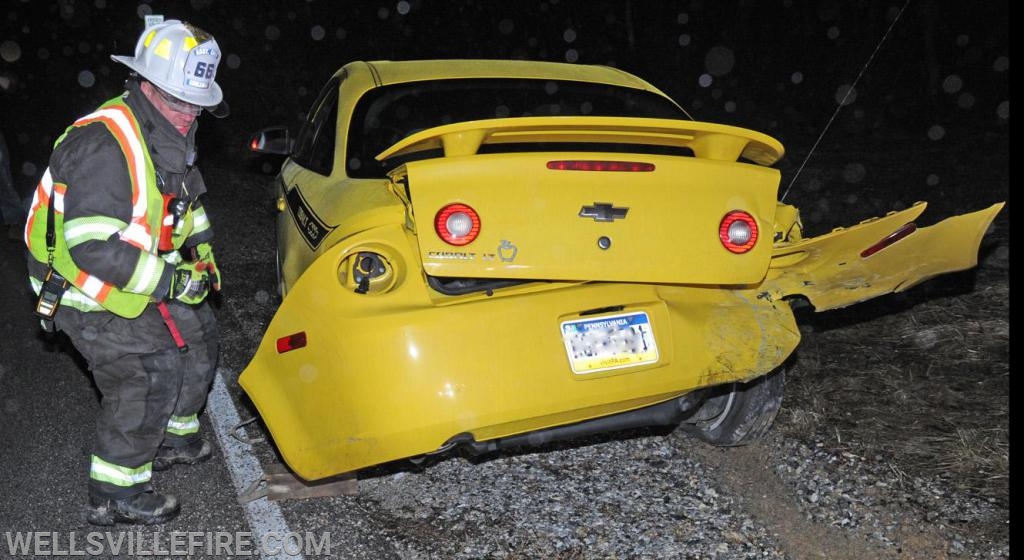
x=854 y=172
x=936 y=132
x=100 y=4
x=932 y=180
x=833 y=32
x=572 y=55
x=846 y=94
x=234 y=61
x=382 y=13
x=797 y=77
x=965 y=101
x=719 y=60
x=266 y=168
x=28 y=169
x=262 y=297
x=569 y=35
x=341 y=33
x=43 y=53
x=952 y=84
x=1003 y=110
x=501 y=111
x=730 y=106
x=684 y=39
x=317 y=33
x=272 y=33
x=586 y=108
x=402 y=7
x=1001 y=64
x=10 y=51
x=84 y=47
x=354 y=163
x=144 y=10
x=683 y=18
x=86 y=79
x=962 y=40
x=551 y=88
x=704 y=80
x=506 y=26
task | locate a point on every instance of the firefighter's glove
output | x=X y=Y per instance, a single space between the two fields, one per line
x=203 y=255
x=190 y=283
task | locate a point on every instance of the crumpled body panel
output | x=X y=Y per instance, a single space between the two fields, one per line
x=399 y=373
x=830 y=271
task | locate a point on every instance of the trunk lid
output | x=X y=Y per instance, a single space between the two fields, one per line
x=543 y=216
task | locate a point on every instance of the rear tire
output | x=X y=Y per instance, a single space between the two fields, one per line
x=738 y=413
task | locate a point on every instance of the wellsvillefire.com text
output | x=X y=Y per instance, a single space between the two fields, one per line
x=175 y=543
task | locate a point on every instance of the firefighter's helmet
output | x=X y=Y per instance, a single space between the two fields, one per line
x=182 y=60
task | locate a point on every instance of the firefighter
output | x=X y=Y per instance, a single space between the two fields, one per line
x=121 y=257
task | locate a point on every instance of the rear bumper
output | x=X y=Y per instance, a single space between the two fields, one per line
x=395 y=375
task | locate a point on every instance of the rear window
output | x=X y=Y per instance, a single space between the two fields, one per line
x=387 y=114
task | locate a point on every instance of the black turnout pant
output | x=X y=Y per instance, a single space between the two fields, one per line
x=152 y=392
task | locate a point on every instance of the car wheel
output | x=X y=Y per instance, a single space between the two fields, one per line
x=738 y=413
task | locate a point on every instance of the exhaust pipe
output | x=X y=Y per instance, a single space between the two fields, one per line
x=668 y=413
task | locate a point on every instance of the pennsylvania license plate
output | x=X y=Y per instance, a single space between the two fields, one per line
x=610 y=342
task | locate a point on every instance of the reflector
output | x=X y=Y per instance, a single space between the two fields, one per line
x=893 y=237
x=291 y=342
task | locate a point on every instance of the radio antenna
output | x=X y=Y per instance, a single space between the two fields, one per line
x=849 y=91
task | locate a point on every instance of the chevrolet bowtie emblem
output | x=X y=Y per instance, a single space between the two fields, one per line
x=603 y=212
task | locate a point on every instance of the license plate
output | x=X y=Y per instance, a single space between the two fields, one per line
x=610 y=342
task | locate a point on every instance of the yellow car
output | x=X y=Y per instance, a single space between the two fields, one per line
x=491 y=254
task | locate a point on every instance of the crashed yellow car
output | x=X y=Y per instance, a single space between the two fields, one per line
x=489 y=254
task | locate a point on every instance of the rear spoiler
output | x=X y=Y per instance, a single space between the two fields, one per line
x=706 y=140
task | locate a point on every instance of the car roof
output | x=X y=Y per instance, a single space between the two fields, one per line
x=392 y=72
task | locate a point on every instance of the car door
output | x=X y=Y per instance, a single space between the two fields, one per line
x=305 y=177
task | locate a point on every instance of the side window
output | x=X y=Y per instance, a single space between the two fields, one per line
x=314 y=147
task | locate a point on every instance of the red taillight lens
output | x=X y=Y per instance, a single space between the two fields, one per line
x=291 y=342
x=457 y=224
x=738 y=232
x=255 y=144
x=589 y=165
x=889 y=239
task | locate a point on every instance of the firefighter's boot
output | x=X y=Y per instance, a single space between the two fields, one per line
x=146 y=508
x=188 y=454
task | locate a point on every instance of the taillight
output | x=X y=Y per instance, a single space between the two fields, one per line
x=291 y=342
x=738 y=232
x=457 y=224
x=893 y=237
x=592 y=165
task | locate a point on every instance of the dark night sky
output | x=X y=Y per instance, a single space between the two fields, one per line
x=777 y=66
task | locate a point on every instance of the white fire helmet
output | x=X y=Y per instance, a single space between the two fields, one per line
x=182 y=60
